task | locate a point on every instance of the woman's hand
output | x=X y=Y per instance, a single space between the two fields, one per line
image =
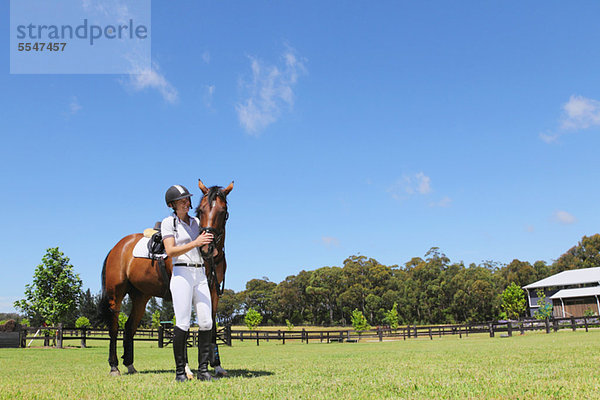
x=203 y=239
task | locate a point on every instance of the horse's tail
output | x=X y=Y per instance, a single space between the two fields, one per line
x=104 y=311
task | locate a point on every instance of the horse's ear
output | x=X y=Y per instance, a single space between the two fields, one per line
x=228 y=189
x=202 y=187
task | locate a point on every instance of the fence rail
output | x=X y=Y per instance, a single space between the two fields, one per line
x=226 y=335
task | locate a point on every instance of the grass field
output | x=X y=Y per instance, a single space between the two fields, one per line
x=561 y=365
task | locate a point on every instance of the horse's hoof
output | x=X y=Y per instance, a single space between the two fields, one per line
x=188 y=372
x=131 y=369
x=115 y=372
x=220 y=372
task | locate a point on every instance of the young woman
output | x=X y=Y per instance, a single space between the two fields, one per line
x=189 y=285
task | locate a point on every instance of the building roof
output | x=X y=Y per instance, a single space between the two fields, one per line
x=567 y=278
x=579 y=292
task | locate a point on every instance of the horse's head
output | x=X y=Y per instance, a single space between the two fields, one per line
x=212 y=212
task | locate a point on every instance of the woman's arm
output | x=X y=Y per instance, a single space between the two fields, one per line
x=174 y=251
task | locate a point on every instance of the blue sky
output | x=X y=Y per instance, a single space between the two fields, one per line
x=380 y=128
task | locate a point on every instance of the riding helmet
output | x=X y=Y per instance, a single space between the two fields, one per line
x=176 y=192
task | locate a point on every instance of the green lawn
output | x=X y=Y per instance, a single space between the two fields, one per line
x=561 y=365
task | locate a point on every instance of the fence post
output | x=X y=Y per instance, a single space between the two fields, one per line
x=228 y=335
x=321 y=336
x=573 y=323
x=509 y=328
x=522 y=328
x=283 y=337
x=380 y=333
x=459 y=332
x=555 y=323
x=430 y=337
x=23 y=337
x=161 y=336
x=547 y=321
x=59 y=336
x=257 y=339
x=304 y=335
x=327 y=336
x=491 y=326
x=83 y=343
x=408 y=331
x=416 y=333
x=241 y=336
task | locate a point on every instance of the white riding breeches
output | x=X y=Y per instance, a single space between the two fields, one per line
x=189 y=286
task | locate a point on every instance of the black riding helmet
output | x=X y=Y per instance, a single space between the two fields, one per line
x=176 y=192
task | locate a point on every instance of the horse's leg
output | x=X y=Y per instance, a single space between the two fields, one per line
x=214 y=359
x=138 y=302
x=113 y=332
x=110 y=306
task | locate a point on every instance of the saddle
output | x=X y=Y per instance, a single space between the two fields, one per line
x=157 y=253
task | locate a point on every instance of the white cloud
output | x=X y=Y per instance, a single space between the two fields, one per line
x=564 y=218
x=144 y=78
x=208 y=95
x=551 y=138
x=577 y=114
x=74 y=106
x=580 y=113
x=410 y=185
x=206 y=57
x=530 y=228
x=330 y=241
x=270 y=91
x=444 y=202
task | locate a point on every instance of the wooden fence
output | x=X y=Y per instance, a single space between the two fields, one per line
x=226 y=335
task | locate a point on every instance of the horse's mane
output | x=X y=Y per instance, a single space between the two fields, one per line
x=213 y=193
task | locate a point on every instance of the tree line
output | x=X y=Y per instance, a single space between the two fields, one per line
x=427 y=290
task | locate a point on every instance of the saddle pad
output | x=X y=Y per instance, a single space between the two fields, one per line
x=141 y=249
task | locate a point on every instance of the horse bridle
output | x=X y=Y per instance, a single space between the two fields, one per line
x=212 y=260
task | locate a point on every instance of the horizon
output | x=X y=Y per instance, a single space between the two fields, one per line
x=380 y=130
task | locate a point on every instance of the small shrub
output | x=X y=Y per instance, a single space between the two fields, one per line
x=82 y=322
x=252 y=318
x=122 y=320
x=156 y=319
x=290 y=326
x=359 y=322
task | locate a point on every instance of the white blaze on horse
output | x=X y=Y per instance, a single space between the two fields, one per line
x=141 y=278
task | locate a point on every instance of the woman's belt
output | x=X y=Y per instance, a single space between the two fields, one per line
x=195 y=265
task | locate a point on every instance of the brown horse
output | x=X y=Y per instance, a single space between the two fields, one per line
x=141 y=278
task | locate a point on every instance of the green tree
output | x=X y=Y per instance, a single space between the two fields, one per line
x=252 y=318
x=156 y=319
x=82 y=322
x=392 y=318
x=513 y=301
x=545 y=307
x=586 y=254
x=290 y=326
x=359 y=322
x=519 y=272
x=53 y=295
x=123 y=320
x=229 y=305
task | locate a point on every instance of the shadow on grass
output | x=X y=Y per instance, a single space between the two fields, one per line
x=244 y=373
x=233 y=373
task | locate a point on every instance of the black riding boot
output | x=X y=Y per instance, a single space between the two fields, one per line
x=179 y=350
x=203 y=355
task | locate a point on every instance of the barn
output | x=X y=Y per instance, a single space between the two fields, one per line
x=572 y=292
